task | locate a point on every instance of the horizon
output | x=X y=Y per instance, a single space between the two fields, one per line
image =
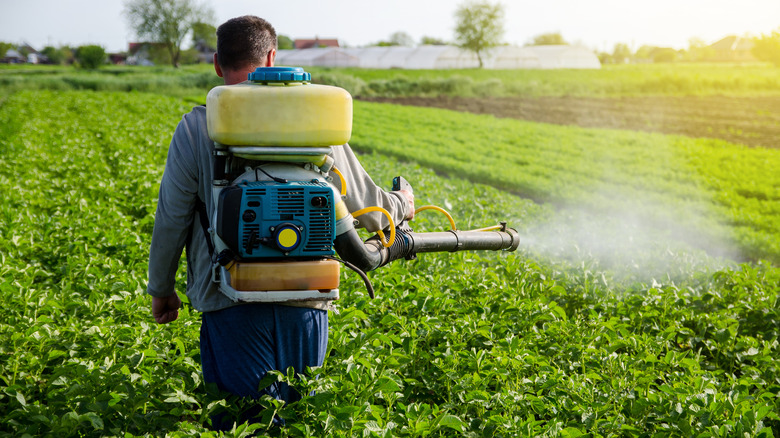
x=599 y=25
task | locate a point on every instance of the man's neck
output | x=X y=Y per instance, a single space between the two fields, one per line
x=237 y=76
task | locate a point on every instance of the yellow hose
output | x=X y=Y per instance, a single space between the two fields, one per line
x=452 y=222
x=490 y=228
x=389 y=243
x=439 y=209
x=341 y=178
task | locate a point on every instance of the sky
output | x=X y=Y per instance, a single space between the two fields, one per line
x=597 y=24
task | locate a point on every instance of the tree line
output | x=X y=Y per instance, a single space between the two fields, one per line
x=765 y=48
x=88 y=56
x=164 y=25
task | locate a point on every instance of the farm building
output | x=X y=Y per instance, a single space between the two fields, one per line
x=733 y=49
x=565 y=57
x=513 y=57
x=441 y=57
x=321 y=57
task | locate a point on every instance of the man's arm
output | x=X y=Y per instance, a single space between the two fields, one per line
x=173 y=219
x=363 y=192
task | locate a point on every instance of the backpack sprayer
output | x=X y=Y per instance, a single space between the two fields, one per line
x=279 y=219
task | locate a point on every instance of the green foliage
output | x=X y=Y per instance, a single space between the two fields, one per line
x=657 y=54
x=5 y=47
x=664 y=54
x=621 y=54
x=56 y=55
x=284 y=42
x=433 y=41
x=205 y=34
x=455 y=344
x=401 y=38
x=767 y=48
x=611 y=81
x=355 y=86
x=185 y=81
x=699 y=50
x=90 y=57
x=479 y=26
x=166 y=22
x=397 y=39
x=548 y=39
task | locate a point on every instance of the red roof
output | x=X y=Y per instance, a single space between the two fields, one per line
x=316 y=42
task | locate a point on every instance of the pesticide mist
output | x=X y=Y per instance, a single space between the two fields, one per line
x=636 y=241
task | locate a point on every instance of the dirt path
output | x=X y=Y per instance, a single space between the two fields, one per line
x=753 y=121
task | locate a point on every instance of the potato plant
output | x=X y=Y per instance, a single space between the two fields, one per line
x=461 y=344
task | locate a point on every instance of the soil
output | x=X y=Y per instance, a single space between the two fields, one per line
x=752 y=121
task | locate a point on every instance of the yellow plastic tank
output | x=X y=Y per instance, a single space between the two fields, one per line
x=285 y=275
x=278 y=106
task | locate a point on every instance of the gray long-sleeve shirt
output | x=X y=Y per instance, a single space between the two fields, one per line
x=188 y=176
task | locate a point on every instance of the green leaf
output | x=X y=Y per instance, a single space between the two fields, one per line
x=94 y=420
x=20 y=399
x=451 y=421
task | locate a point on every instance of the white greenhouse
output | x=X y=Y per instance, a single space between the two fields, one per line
x=565 y=57
x=441 y=57
x=321 y=57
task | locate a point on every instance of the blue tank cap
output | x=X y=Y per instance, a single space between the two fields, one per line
x=279 y=74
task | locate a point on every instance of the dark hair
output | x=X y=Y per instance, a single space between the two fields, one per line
x=244 y=41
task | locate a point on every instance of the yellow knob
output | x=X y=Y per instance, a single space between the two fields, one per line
x=287 y=238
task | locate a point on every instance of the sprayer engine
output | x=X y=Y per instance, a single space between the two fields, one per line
x=267 y=219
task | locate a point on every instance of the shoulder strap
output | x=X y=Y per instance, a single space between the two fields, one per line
x=200 y=206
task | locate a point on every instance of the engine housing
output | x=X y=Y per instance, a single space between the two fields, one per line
x=268 y=219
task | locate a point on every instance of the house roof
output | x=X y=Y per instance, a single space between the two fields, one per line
x=733 y=43
x=316 y=42
x=11 y=53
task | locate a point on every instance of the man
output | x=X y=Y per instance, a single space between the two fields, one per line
x=241 y=342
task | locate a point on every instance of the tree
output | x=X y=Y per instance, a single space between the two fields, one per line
x=204 y=34
x=479 y=26
x=432 y=41
x=548 y=39
x=401 y=39
x=91 y=56
x=767 y=48
x=621 y=54
x=397 y=39
x=664 y=54
x=167 y=22
x=55 y=56
x=284 y=42
x=5 y=47
x=698 y=50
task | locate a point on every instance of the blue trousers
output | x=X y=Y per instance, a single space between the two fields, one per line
x=238 y=345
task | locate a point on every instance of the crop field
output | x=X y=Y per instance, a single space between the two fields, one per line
x=752 y=121
x=706 y=191
x=642 y=302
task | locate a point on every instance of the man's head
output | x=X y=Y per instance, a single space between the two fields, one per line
x=244 y=43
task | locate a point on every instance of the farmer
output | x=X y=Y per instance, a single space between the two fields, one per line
x=241 y=342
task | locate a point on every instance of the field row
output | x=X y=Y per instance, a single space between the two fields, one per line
x=752 y=121
x=611 y=81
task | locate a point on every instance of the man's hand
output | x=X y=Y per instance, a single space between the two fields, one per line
x=166 y=309
x=410 y=198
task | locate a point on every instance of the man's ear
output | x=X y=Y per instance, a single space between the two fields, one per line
x=269 y=61
x=217 y=68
